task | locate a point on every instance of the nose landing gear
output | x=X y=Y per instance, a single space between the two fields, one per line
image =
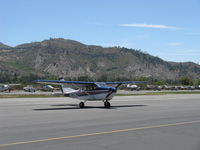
x=107 y=104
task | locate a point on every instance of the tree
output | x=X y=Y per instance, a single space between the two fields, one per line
x=198 y=82
x=160 y=82
x=186 y=81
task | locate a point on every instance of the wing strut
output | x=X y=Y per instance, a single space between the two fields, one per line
x=111 y=91
x=118 y=85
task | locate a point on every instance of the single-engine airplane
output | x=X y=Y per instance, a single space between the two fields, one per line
x=88 y=91
x=6 y=87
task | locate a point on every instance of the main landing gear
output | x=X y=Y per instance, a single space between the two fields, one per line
x=107 y=104
x=81 y=105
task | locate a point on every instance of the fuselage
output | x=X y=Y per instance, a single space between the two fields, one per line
x=96 y=94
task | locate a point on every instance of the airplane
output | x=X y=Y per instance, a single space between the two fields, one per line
x=6 y=87
x=133 y=87
x=88 y=91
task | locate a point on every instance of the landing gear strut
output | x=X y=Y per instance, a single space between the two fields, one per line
x=107 y=104
x=81 y=105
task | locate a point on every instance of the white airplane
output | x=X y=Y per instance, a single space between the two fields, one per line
x=133 y=87
x=6 y=87
x=89 y=91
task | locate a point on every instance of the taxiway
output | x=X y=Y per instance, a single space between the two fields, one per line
x=133 y=122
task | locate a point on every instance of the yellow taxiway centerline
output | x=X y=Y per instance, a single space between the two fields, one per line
x=100 y=133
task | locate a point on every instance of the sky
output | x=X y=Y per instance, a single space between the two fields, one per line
x=169 y=29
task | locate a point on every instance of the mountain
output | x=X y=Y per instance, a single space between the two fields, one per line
x=3 y=46
x=72 y=59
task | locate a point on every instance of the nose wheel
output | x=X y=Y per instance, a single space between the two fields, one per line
x=81 y=105
x=107 y=104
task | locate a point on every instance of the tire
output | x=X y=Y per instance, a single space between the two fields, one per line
x=107 y=104
x=81 y=105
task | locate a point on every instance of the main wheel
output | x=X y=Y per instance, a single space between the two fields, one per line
x=81 y=105
x=107 y=104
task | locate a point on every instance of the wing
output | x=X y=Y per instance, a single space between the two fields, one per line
x=71 y=84
x=125 y=82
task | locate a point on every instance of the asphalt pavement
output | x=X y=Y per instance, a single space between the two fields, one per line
x=159 y=122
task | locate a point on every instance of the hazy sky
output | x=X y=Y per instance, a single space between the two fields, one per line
x=169 y=29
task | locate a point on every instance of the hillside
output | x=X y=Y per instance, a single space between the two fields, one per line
x=3 y=46
x=72 y=59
